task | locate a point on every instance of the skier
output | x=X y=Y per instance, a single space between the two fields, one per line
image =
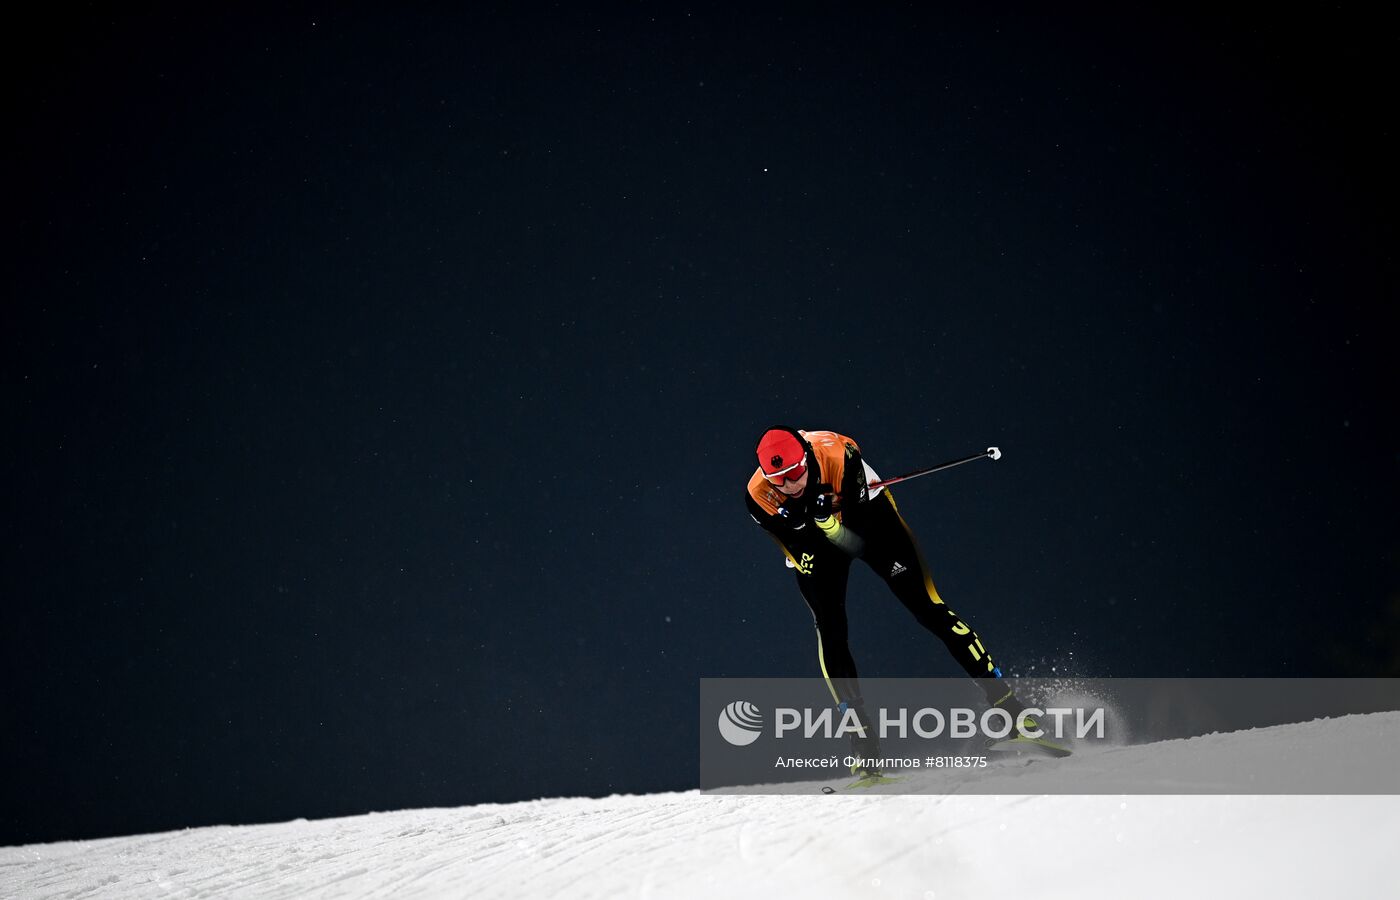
x=811 y=494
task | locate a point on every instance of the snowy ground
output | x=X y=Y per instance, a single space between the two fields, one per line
x=932 y=846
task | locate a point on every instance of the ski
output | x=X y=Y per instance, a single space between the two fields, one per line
x=1022 y=745
x=870 y=781
x=860 y=784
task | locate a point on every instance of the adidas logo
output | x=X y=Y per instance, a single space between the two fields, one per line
x=898 y=567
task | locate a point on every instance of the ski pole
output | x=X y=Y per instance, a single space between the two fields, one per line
x=989 y=453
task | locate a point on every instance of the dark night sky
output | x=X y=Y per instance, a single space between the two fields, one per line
x=380 y=388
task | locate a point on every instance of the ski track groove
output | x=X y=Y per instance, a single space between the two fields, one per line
x=663 y=851
x=605 y=832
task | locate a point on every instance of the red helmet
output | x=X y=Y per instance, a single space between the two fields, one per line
x=782 y=455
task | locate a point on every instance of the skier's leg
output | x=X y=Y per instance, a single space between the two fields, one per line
x=894 y=555
x=823 y=586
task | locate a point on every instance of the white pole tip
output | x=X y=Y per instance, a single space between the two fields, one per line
x=994 y=453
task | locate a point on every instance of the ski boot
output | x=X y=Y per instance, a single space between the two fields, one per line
x=867 y=752
x=1023 y=730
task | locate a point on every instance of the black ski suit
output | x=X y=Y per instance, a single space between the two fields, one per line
x=873 y=529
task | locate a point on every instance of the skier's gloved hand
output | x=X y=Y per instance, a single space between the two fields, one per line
x=794 y=510
x=816 y=503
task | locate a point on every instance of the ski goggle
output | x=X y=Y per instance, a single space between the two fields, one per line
x=793 y=472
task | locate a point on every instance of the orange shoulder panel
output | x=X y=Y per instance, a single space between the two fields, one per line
x=830 y=451
x=764 y=494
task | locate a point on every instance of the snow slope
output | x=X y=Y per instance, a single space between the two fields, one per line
x=932 y=846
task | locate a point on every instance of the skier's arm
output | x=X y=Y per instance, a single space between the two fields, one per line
x=844 y=538
x=788 y=530
x=795 y=538
x=854 y=493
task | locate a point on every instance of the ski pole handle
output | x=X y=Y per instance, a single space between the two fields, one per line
x=989 y=453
